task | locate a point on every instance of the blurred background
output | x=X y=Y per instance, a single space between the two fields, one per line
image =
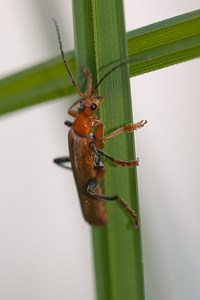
x=45 y=245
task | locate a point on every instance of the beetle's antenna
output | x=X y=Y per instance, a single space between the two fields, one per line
x=64 y=60
x=113 y=69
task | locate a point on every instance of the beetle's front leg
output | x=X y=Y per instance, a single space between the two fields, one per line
x=88 y=73
x=72 y=112
x=98 y=133
x=128 y=128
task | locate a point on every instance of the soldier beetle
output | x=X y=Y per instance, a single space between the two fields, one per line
x=85 y=148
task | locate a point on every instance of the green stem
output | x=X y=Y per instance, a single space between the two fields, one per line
x=85 y=52
x=164 y=43
x=117 y=249
x=123 y=245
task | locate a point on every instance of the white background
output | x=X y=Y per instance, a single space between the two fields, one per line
x=45 y=246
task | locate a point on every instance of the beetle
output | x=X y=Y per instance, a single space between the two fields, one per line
x=85 y=148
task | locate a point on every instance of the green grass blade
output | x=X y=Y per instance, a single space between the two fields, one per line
x=85 y=51
x=164 y=43
x=40 y=83
x=123 y=246
x=117 y=250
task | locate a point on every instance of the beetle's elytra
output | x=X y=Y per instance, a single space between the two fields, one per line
x=85 y=149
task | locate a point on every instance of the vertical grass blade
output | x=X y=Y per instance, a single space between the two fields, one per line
x=117 y=248
x=85 y=56
x=123 y=244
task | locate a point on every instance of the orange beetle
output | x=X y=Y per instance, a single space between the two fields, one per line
x=84 y=149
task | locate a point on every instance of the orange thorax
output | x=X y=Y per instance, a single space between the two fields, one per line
x=82 y=125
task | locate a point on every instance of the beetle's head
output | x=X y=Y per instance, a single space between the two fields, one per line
x=90 y=105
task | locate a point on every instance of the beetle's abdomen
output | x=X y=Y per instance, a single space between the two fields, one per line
x=93 y=209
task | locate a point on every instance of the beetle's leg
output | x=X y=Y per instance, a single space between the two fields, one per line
x=73 y=112
x=121 y=163
x=99 y=132
x=61 y=162
x=89 y=80
x=129 y=128
x=91 y=190
x=118 y=162
x=68 y=123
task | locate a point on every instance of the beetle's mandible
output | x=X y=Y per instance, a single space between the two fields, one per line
x=85 y=148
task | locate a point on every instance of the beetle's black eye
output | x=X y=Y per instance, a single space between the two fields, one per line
x=93 y=106
x=82 y=108
x=82 y=100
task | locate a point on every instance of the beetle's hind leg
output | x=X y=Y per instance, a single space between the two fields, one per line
x=94 y=182
x=61 y=161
